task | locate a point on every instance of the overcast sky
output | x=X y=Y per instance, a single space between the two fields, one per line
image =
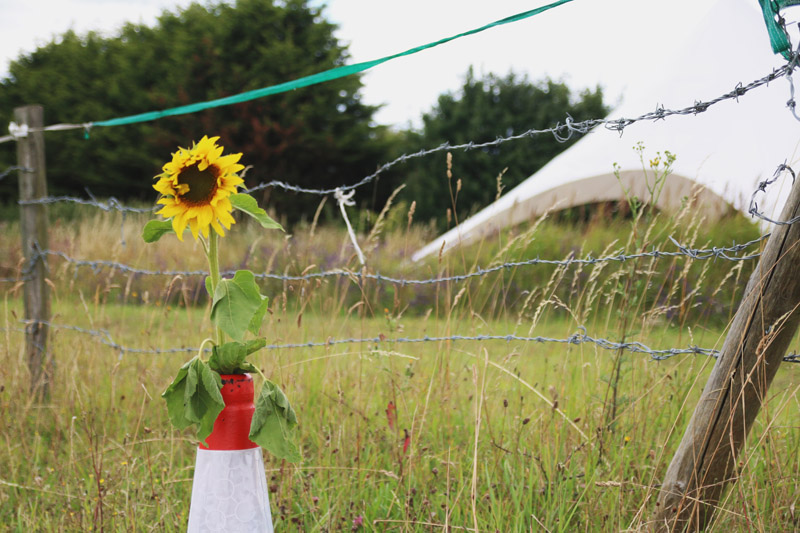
x=613 y=43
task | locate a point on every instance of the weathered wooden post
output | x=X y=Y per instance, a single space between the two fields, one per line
x=33 y=227
x=767 y=319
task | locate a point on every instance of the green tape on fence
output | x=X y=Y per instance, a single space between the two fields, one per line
x=778 y=37
x=313 y=79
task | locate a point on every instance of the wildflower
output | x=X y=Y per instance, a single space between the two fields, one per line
x=195 y=187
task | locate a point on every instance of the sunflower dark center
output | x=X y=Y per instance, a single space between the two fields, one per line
x=202 y=183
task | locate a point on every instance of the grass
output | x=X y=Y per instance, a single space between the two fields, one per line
x=487 y=435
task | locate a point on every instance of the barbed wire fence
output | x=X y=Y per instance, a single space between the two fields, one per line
x=576 y=339
x=561 y=131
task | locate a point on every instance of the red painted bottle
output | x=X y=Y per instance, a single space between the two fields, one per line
x=229 y=490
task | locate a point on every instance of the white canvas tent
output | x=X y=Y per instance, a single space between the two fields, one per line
x=727 y=149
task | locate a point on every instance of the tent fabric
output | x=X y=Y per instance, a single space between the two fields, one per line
x=726 y=151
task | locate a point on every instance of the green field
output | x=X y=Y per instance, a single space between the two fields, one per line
x=492 y=435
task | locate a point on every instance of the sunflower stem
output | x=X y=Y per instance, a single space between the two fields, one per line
x=213 y=265
x=202 y=345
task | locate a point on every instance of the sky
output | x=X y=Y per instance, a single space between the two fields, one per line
x=615 y=44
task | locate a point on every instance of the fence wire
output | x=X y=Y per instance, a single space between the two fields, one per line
x=14 y=168
x=576 y=339
x=721 y=253
x=762 y=188
x=561 y=132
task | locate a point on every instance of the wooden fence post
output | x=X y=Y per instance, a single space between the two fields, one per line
x=707 y=458
x=33 y=227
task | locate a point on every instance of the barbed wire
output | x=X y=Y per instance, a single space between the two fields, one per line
x=576 y=339
x=14 y=168
x=722 y=253
x=762 y=187
x=561 y=131
x=112 y=204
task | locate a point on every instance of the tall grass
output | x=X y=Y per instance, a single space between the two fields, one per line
x=429 y=436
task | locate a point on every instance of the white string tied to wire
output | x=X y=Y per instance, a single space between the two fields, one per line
x=347 y=200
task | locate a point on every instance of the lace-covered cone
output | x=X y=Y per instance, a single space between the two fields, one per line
x=229 y=491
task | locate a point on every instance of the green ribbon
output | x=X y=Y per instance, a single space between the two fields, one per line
x=777 y=33
x=313 y=79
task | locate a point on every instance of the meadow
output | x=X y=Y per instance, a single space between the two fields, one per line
x=435 y=435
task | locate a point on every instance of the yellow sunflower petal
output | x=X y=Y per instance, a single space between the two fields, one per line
x=228 y=160
x=179 y=225
x=204 y=216
x=217 y=228
x=195 y=227
x=226 y=219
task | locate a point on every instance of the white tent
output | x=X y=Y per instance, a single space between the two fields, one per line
x=727 y=149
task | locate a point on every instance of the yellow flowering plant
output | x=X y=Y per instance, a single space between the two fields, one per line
x=199 y=190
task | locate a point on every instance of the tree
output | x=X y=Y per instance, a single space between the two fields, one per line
x=318 y=136
x=484 y=110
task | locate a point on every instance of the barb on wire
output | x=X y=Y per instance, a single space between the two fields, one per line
x=762 y=187
x=724 y=253
x=575 y=339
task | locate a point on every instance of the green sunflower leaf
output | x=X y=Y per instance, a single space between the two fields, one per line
x=155 y=229
x=202 y=398
x=274 y=422
x=247 y=204
x=174 y=396
x=258 y=318
x=247 y=368
x=237 y=303
x=255 y=345
x=229 y=358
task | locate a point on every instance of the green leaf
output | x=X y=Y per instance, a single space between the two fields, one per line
x=155 y=229
x=174 y=396
x=255 y=344
x=273 y=423
x=208 y=286
x=237 y=303
x=229 y=358
x=258 y=318
x=247 y=368
x=202 y=398
x=247 y=204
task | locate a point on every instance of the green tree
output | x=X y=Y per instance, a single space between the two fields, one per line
x=319 y=136
x=484 y=110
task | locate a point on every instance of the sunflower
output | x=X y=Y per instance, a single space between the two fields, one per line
x=195 y=187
